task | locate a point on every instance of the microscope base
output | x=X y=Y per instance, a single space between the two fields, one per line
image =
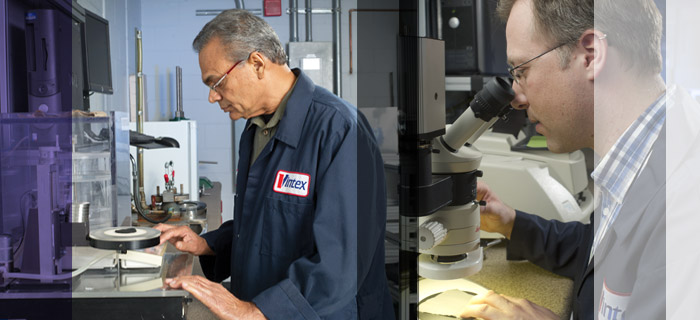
x=428 y=268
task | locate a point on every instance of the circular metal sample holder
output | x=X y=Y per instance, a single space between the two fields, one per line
x=124 y=238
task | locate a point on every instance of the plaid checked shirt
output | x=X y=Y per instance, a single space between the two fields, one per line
x=621 y=165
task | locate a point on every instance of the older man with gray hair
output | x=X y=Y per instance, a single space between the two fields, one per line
x=307 y=237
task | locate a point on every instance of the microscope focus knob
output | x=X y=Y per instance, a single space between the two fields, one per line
x=431 y=234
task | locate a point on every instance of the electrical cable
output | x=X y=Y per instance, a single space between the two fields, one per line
x=13 y=149
x=62 y=276
x=137 y=198
x=103 y=136
x=18 y=143
x=22 y=219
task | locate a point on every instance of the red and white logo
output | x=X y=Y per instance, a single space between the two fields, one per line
x=613 y=305
x=293 y=183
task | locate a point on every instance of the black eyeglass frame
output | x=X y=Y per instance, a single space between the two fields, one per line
x=511 y=70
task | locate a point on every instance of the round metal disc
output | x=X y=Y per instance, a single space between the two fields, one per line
x=124 y=238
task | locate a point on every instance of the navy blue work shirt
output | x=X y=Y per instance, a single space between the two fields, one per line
x=307 y=237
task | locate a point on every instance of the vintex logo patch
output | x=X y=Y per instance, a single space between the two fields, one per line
x=613 y=305
x=293 y=183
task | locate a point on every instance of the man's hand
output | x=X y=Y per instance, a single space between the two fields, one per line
x=184 y=239
x=491 y=305
x=217 y=298
x=496 y=216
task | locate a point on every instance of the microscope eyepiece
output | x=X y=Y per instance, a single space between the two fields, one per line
x=490 y=102
x=493 y=99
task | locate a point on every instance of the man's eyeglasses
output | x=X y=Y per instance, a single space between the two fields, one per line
x=216 y=85
x=518 y=74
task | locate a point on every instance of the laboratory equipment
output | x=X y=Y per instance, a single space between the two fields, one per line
x=475 y=39
x=64 y=174
x=60 y=179
x=169 y=174
x=124 y=238
x=553 y=186
x=439 y=165
x=518 y=167
x=449 y=238
x=64 y=177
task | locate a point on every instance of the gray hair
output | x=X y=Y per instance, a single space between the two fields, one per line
x=242 y=33
x=632 y=26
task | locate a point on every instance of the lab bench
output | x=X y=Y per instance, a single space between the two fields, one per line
x=523 y=279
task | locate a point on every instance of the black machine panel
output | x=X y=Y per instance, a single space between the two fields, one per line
x=78 y=61
x=99 y=66
x=474 y=38
x=55 y=55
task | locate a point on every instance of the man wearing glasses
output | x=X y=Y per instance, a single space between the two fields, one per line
x=307 y=237
x=560 y=57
